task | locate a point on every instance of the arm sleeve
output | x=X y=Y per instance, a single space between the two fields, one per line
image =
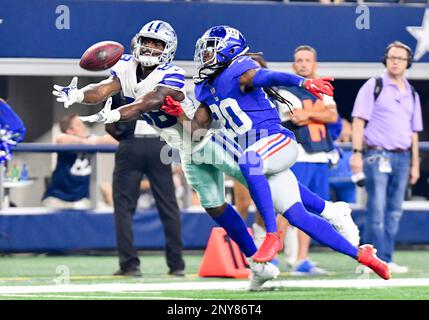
x=10 y=120
x=417 y=122
x=269 y=78
x=364 y=102
x=173 y=78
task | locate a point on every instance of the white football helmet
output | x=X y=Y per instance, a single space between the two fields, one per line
x=159 y=30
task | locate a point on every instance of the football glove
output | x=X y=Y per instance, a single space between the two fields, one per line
x=172 y=107
x=319 y=86
x=106 y=115
x=68 y=95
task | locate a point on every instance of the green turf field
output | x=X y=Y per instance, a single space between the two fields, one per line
x=45 y=277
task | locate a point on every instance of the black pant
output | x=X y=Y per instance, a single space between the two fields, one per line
x=134 y=158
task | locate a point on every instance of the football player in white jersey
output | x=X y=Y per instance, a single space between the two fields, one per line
x=146 y=79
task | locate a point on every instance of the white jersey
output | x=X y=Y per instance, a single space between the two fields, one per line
x=167 y=75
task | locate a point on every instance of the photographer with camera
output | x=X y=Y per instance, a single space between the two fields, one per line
x=386 y=121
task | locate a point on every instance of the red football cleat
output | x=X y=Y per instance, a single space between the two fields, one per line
x=269 y=248
x=367 y=257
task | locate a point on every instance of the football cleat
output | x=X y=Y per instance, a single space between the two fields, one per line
x=339 y=215
x=258 y=234
x=261 y=273
x=396 y=268
x=270 y=247
x=367 y=257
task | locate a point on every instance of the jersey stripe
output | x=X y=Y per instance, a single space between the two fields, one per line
x=267 y=145
x=173 y=79
x=284 y=144
x=175 y=76
x=177 y=84
x=273 y=145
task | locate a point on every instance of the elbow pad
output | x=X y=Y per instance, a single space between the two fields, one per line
x=269 y=78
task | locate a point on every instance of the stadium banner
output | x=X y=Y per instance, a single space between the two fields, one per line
x=348 y=33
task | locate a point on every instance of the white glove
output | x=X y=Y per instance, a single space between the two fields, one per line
x=68 y=95
x=106 y=115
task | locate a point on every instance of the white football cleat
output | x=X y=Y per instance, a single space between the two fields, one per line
x=291 y=246
x=396 y=268
x=339 y=215
x=261 y=273
x=258 y=234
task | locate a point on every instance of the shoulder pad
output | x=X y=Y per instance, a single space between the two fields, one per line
x=240 y=65
x=173 y=76
x=121 y=65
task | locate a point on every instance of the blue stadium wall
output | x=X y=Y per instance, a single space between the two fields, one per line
x=28 y=27
x=83 y=230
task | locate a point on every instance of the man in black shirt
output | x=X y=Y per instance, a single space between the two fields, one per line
x=139 y=155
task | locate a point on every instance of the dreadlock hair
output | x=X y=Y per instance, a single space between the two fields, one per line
x=271 y=92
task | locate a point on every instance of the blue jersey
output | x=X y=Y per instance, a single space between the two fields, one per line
x=249 y=115
x=314 y=137
x=70 y=180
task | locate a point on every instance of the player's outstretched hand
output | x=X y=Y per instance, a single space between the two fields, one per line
x=319 y=86
x=172 y=107
x=68 y=95
x=104 y=116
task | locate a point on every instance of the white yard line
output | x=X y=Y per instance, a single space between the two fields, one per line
x=214 y=285
x=80 y=297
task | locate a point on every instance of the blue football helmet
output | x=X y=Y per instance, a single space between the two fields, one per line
x=217 y=47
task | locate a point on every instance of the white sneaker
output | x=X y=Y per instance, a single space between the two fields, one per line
x=291 y=246
x=396 y=268
x=261 y=273
x=307 y=267
x=258 y=234
x=339 y=215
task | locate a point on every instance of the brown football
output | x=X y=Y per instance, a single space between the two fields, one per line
x=101 y=56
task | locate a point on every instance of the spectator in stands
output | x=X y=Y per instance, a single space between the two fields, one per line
x=342 y=187
x=69 y=185
x=386 y=121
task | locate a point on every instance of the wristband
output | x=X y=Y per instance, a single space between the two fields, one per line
x=113 y=116
x=80 y=96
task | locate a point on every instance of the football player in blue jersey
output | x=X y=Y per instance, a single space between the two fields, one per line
x=230 y=89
